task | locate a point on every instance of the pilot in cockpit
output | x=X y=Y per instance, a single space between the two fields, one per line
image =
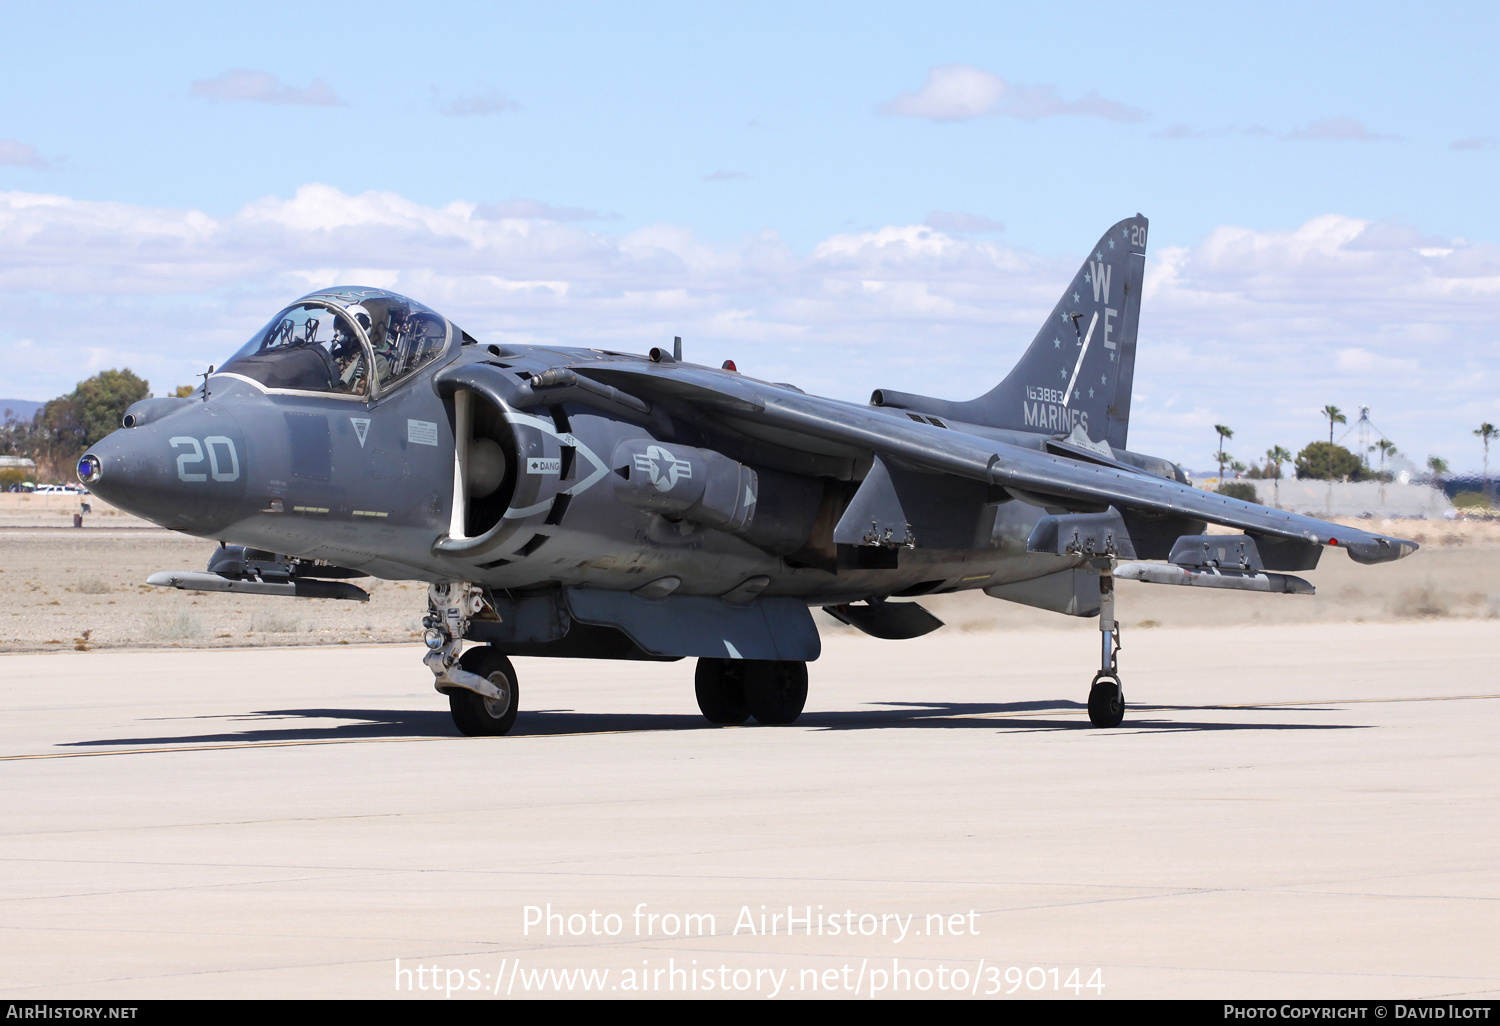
x=316 y=346
x=347 y=351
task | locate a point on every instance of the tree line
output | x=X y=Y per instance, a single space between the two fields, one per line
x=1329 y=461
x=64 y=428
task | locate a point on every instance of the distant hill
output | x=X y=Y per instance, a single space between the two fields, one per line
x=21 y=409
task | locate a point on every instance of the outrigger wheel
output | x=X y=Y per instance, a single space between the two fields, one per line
x=1106 y=701
x=473 y=713
x=1106 y=696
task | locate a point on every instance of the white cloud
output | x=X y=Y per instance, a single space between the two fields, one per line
x=1361 y=361
x=1478 y=142
x=1032 y=102
x=1341 y=311
x=958 y=92
x=19 y=154
x=1335 y=130
x=953 y=92
x=1255 y=329
x=1342 y=129
x=242 y=84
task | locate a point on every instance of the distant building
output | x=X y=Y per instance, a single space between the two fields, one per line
x=1396 y=498
x=17 y=463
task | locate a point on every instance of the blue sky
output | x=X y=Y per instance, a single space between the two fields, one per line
x=736 y=144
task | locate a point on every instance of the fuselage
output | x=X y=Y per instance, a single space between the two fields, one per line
x=380 y=484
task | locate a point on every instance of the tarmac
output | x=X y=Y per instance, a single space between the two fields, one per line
x=1289 y=811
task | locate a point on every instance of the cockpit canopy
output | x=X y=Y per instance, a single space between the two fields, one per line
x=329 y=341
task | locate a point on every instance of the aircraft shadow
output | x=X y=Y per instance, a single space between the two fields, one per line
x=374 y=724
x=1023 y=716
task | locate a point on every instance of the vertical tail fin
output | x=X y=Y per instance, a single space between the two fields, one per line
x=1078 y=371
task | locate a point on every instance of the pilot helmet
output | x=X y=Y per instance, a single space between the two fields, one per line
x=361 y=316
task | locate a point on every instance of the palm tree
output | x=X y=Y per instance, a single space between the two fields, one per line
x=1439 y=467
x=1335 y=416
x=1387 y=448
x=1486 y=432
x=1223 y=457
x=1275 y=457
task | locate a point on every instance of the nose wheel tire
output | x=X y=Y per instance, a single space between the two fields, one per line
x=1106 y=702
x=776 y=690
x=473 y=713
x=720 y=687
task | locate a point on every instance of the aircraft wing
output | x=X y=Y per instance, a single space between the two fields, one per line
x=759 y=409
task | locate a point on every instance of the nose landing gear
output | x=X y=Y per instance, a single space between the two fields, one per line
x=480 y=683
x=478 y=715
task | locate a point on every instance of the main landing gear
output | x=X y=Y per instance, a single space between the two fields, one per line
x=1106 y=696
x=730 y=691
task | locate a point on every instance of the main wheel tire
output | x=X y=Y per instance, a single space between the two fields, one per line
x=776 y=690
x=720 y=687
x=476 y=715
x=1106 y=703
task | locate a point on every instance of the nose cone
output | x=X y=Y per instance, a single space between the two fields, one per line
x=186 y=473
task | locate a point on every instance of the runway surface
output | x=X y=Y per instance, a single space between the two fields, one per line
x=1287 y=812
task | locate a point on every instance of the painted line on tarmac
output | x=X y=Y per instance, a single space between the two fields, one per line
x=647 y=730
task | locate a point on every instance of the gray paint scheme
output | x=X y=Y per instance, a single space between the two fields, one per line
x=653 y=508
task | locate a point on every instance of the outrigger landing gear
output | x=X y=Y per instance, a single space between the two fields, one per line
x=480 y=684
x=1106 y=696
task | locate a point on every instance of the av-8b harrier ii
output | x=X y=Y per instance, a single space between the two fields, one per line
x=587 y=503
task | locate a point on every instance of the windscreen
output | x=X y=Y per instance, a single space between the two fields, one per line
x=305 y=347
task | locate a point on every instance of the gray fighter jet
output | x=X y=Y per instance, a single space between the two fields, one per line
x=587 y=503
